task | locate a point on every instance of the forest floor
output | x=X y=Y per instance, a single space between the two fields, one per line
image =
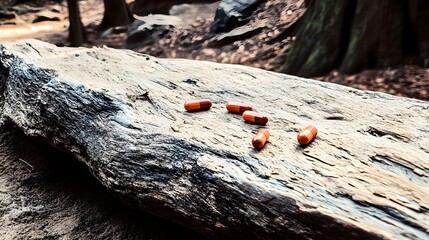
x=271 y=38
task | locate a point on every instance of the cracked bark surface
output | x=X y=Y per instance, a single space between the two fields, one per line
x=121 y=114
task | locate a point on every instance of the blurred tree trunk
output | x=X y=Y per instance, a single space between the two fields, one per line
x=357 y=34
x=76 y=30
x=116 y=13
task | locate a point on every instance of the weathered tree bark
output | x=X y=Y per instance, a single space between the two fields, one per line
x=45 y=194
x=353 y=35
x=76 y=30
x=116 y=13
x=121 y=114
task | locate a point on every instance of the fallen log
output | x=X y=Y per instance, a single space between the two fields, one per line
x=121 y=114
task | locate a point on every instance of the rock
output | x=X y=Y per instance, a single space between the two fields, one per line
x=56 y=9
x=45 y=194
x=47 y=16
x=239 y=33
x=140 y=31
x=155 y=20
x=25 y=8
x=189 y=13
x=9 y=23
x=231 y=14
x=145 y=7
x=6 y=14
x=120 y=113
x=113 y=30
x=30 y=3
x=209 y=52
x=394 y=75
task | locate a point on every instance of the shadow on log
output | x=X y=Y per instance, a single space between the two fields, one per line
x=46 y=194
x=121 y=114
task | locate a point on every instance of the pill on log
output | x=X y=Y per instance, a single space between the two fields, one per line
x=236 y=107
x=198 y=105
x=254 y=117
x=260 y=138
x=306 y=135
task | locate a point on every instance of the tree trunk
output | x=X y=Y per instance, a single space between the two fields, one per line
x=76 y=30
x=354 y=35
x=116 y=13
x=419 y=20
x=120 y=113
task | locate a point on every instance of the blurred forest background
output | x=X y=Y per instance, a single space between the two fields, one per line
x=323 y=40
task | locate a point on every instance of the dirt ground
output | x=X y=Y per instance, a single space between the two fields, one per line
x=193 y=42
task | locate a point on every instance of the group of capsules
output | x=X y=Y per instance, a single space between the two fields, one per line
x=305 y=136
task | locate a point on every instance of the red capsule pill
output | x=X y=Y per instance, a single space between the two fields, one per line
x=254 y=117
x=260 y=138
x=307 y=134
x=198 y=105
x=236 y=107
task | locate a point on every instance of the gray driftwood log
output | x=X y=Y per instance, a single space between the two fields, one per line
x=121 y=114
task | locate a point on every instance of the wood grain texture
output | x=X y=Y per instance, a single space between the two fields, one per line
x=121 y=113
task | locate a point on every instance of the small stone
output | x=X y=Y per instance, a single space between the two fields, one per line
x=56 y=9
x=6 y=15
x=379 y=80
x=209 y=52
x=46 y=16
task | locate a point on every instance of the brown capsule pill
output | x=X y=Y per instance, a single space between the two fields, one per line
x=307 y=134
x=260 y=138
x=236 y=107
x=198 y=105
x=254 y=117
